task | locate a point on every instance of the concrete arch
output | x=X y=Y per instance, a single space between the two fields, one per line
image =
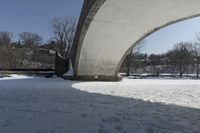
x=109 y=28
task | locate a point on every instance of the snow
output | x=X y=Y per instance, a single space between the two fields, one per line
x=40 y=105
x=168 y=91
x=15 y=76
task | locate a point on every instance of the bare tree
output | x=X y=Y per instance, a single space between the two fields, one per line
x=63 y=31
x=196 y=52
x=137 y=48
x=181 y=56
x=7 y=57
x=30 y=39
x=155 y=61
x=5 y=38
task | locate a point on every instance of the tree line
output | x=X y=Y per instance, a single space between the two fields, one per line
x=29 y=51
x=183 y=58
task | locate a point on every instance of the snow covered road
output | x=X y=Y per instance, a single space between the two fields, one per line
x=39 y=105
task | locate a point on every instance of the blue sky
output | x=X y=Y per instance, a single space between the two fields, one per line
x=35 y=15
x=164 y=39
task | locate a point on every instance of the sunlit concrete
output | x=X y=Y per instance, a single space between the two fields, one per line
x=117 y=25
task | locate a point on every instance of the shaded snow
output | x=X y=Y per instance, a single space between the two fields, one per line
x=39 y=105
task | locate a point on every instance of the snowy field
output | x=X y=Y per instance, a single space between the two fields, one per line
x=40 y=105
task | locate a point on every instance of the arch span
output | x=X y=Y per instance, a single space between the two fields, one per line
x=109 y=28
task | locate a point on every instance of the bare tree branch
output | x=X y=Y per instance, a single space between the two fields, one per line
x=63 y=31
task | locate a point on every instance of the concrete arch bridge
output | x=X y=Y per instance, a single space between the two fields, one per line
x=108 y=29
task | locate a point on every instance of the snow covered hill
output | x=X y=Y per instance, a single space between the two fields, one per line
x=40 y=105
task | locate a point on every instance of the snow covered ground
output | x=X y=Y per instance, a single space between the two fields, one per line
x=40 y=105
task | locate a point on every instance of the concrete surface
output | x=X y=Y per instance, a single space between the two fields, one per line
x=110 y=28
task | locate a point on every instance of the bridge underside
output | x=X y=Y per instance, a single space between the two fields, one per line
x=108 y=29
